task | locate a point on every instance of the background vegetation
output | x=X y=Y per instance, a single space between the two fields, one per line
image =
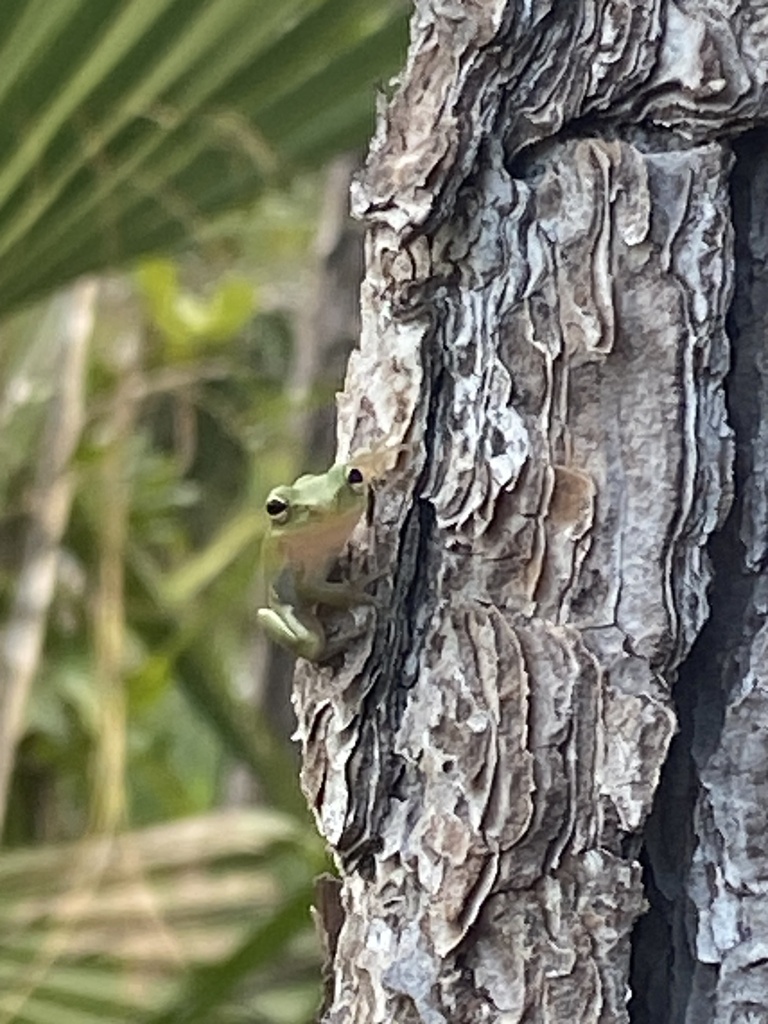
x=158 y=860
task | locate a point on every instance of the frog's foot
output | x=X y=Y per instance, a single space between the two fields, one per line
x=304 y=636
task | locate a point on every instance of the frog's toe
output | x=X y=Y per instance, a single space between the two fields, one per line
x=289 y=632
x=310 y=648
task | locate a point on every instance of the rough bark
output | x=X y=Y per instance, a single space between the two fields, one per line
x=549 y=265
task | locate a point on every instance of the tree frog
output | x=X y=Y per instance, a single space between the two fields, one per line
x=310 y=521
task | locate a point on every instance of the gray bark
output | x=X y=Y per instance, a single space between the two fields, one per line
x=550 y=260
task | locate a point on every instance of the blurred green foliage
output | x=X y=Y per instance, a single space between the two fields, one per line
x=191 y=326
x=190 y=428
x=130 y=128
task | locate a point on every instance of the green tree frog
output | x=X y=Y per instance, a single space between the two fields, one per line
x=309 y=523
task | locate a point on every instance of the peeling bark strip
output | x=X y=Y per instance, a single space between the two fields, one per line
x=543 y=323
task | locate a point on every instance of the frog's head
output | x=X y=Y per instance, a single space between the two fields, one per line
x=316 y=499
x=313 y=517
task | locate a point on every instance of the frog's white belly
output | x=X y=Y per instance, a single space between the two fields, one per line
x=314 y=546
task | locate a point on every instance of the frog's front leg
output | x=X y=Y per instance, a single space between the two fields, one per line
x=334 y=595
x=301 y=632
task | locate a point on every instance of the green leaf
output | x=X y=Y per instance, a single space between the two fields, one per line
x=175 y=916
x=187 y=322
x=209 y=986
x=126 y=125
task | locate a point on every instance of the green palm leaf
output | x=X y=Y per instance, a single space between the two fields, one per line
x=124 y=126
x=161 y=923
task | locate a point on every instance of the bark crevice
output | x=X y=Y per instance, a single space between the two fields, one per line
x=679 y=947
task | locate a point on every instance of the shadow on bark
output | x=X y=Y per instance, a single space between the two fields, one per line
x=671 y=983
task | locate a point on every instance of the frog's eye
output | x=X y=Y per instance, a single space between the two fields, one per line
x=277 y=509
x=356 y=480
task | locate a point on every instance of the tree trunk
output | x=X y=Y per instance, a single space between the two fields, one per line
x=550 y=262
